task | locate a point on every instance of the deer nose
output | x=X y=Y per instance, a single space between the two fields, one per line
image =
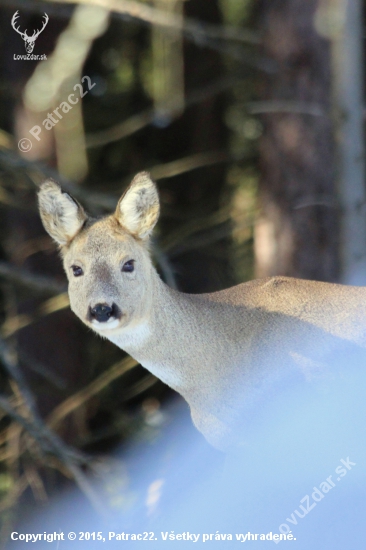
x=101 y=312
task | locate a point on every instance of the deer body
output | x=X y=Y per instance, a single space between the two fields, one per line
x=225 y=352
x=225 y=346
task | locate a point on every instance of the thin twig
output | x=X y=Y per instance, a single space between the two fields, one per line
x=142 y=385
x=186 y=164
x=164 y=264
x=41 y=369
x=35 y=282
x=225 y=39
x=98 y=202
x=14 y=494
x=121 y=130
x=48 y=441
x=193 y=227
x=17 y=322
x=80 y=397
x=286 y=106
x=29 y=426
x=173 y=22
x=215 y=235
x=7 y=357
x=143 y=119
x=36 y=173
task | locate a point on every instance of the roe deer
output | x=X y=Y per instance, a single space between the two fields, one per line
x=224 y=352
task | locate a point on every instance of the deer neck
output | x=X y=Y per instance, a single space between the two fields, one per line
x=166 y=341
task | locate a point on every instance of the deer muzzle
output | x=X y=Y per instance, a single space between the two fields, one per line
x=104 y=313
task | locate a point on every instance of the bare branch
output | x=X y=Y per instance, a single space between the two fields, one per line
x=121 y=130
x=142 y=385
x=186 y=164
x=48 y=441
x=164 y=265
x=36 y=282
x=26 y=424
x=80 y=397
x=17 y=322
x=286 y=106
x=173 y=22
x=182 y=234
x=11 y=498
x=36 y=172
x=141 y=120
x=42 y=370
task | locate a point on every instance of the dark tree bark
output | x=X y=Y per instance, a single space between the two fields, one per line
x=198 y=193
x=349 y=101
x=298 y=230
x=201 y=261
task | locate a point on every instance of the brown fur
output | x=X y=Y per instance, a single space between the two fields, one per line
x=225 y=352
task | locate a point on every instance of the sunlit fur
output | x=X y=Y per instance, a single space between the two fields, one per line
x=61 y=215
x=138 y=209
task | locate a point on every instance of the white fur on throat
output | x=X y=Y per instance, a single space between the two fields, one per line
x=108 y=325
x=131 y=337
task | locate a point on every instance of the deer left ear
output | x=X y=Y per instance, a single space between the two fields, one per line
x=138 y=208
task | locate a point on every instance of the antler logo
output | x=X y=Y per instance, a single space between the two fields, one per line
x=29 y=41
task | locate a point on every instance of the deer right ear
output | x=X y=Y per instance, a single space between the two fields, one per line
x=62 y=216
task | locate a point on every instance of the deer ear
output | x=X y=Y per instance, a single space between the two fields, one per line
x=62 y=216
x=138 y=208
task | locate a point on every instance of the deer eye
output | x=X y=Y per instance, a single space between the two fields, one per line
x=77 y=271
x=129 y=266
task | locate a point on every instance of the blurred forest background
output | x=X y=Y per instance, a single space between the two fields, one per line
x=248 y=114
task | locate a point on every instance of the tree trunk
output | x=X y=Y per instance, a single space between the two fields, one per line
x=347 y=39
x=198 y=193
x=297 y=233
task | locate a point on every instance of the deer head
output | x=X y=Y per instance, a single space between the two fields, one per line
x=29 y=41
x=106 y=260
